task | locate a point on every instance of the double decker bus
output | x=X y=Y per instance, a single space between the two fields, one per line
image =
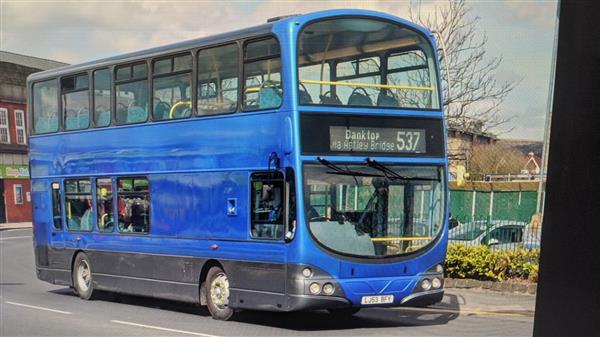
x=295 y=165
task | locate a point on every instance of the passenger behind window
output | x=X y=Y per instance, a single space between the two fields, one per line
x=133 y=205
x=267 y=206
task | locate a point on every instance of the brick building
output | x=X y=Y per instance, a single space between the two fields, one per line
x=15 y=197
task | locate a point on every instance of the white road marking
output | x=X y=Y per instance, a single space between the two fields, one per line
x=467 y=312
x=14 y=237
x=162 y=329
x=38 y=308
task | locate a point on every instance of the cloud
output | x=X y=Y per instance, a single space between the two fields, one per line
x=540 y=14
x=80 y=31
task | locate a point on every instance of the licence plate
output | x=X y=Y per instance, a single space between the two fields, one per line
x=380 y=299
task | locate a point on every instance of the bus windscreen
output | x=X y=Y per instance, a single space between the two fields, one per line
x=367 y=63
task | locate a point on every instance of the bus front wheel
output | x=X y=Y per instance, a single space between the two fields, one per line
x=217 y=294
x=82 y=277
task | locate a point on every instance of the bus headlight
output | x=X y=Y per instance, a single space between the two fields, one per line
x=314 y=288
x=425 y=284
x=328 y=289
x=306 y=272
x=436 y=283
x=439 y=268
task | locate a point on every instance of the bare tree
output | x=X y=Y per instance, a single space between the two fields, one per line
x=495 y=159
x=472 y=95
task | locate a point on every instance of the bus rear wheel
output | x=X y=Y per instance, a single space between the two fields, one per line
x=217 y=294
x=83 y=284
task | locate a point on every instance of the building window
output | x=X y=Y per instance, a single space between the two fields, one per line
x=133 y=205
x=20 y=127
x=18 y=189
x=4 y=132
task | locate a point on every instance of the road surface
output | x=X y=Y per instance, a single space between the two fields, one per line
x=29 y=307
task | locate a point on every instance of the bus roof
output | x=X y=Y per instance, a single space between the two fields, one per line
x=174 y=47
x=214 y=39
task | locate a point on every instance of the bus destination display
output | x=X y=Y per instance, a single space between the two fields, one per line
x=371 y=139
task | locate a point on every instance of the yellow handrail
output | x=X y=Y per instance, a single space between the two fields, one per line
x=421 y=238
x=174 y=107
x=367 y=85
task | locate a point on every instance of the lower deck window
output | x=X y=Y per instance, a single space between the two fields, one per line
x=56 y=206
x=78 y=204
x=133 y=205
x=104 y=203
x=267 y=205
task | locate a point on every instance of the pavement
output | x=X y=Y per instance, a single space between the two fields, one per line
x=14 y=225
x=29 y=307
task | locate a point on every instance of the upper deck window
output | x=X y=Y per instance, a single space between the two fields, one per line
x=366 y=62
x=131 y=86
x=75 y=102
x=262 y=75
x=45 y=107
x=218 y=80
x=102 y=92
x=172 y=87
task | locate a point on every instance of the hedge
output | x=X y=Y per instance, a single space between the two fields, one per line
x=483 y=263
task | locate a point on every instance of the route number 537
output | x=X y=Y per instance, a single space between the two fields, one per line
x=408 y=140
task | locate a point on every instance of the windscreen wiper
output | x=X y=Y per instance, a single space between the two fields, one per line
x=393 y=175
x=344 y=171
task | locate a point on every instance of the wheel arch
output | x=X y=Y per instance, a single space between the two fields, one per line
x=202 y=279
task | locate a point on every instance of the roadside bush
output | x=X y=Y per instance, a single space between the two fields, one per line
x=483 y=263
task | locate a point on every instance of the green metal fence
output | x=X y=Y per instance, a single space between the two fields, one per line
x=497 y=214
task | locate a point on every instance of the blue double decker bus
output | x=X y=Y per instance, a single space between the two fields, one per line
x=296 y=165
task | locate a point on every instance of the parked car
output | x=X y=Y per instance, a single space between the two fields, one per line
x=498 y=234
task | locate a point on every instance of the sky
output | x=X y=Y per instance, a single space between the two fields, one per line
x=522 y=32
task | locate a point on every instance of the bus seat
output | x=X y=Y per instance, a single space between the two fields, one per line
x=103 y=118
x=303 y=95
x=83 y=120
x=330 y=99
x=136 y=114
x=46 y=124
x=360 y=98
x=86 y=221
x=387 y=100
x=269 y=97
x=71 y=123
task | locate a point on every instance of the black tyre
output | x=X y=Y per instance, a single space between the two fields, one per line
x=217 y=294
x=83 y=283
x=343 y=314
